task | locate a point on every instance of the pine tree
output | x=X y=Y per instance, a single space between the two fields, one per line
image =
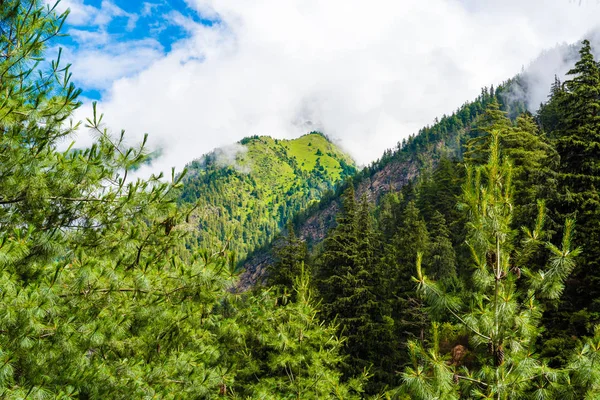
x=100 y=297
x=499 y=317
x=287 y=352
x=533 y=158
x=493 y=119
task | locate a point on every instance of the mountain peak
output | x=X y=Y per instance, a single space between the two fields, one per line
x=248 y=190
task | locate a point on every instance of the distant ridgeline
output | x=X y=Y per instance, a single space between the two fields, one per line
x=246 y=192
x=415 y=156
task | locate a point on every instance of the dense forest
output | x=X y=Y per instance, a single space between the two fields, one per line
x=473 y=276
x=243 y=196
x=478 y=278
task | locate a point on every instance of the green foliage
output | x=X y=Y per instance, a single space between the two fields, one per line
x=576 y=136
x=286 y=352
x=351 y=285
x=100 y=296
x=441 y=256
x=244 y=199
x=500 y=316
x=290 y=255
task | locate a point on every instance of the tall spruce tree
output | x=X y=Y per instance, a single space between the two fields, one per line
x=412 y=237
x=441 y=258
x=290 y=256
x=351 y=285
x=577 y=141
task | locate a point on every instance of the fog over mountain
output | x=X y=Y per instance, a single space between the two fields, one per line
x=367 y=76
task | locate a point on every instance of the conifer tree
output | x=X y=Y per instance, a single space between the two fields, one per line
x=533 y=158
x=500 y=318
x=337 y=263
x=290 y=255
x=351 y=286
x=493 y=119
x=441 y=257
x=287 y=352
x=100 y=297
x=577 y=140
x=410 y=239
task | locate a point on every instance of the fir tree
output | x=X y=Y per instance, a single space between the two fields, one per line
x=290 y=255
x=351 y=289
x=441 y=256
x=577 y=140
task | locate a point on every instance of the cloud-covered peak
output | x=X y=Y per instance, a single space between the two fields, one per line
x=367 y=74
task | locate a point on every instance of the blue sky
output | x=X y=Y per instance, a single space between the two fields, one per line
x=199 y=74
x=152 y=23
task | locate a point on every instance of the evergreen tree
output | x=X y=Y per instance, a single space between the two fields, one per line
x=287 y=352
x=290 y=255
x=441 y=256
x=351 y=289
x=100 y=299
x=337 y=263
x=102 y=295
x=533 y=158
x=577 y=140
x=499 y=317
x=410 y=239
x=441 y=193
x=493 y=119
x=549 y=113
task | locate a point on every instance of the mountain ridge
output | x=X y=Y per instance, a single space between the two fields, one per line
x=247 y=191
x=397 y=168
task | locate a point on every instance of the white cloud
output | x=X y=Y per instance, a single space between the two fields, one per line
x=100 y=57
x=101 y=60
x=366 y=73
x=82 y=14
x=148 y=8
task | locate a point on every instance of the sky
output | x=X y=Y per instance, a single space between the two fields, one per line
x=200 y=74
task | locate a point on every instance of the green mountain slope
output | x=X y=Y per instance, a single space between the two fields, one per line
x=246 y=192
x=414 y=156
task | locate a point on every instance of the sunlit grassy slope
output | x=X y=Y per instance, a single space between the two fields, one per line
x=245 y=199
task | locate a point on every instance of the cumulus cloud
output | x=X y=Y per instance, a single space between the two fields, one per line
x=82 y=14
x=100 y=60
x=98 y=57
x=366 y=73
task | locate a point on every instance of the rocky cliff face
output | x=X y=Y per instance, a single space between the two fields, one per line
x=390 y=178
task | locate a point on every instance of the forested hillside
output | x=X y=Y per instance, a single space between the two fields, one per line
x=244 y=194
x=478 y=275
x=415 y=156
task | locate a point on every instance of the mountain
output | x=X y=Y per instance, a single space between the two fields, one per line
x=413 y=157
x=245 y=193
